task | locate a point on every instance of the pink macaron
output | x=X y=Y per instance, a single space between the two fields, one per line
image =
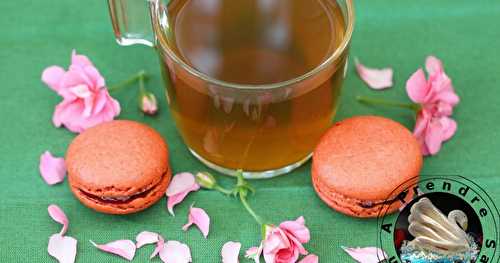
x=362 y=164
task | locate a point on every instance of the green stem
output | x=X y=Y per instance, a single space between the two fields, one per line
x=250 y=210
x=387 y=103
x=138 y=76
x=222 y=189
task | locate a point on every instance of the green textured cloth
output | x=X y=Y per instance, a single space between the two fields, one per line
x=35 y=34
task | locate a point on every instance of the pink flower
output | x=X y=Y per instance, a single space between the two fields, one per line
x=283 y=244
x=437 y=99
x=435 y=94
x=148 y=104
x=86 y=101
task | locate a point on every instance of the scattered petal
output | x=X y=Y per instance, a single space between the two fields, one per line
x=311 y=258
x=254 y=253
x=145 y=238
x=182 y=184
x=230 y=252
x=58 y=215
x=52 y=169
x=62 y=248
x=366 y=255
x=200 y=218
x=122 y=248
x=375 y=78
x=175 y=252
x=158 y=248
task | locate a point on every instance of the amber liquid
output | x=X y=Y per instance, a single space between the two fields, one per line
x=253 y=42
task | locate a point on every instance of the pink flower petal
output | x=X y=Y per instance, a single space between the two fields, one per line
x=62 y=248
x=178 y=198
x=52 y=75
x=181 y=182
x=449 y=127
x=310 y=259
x=433 y=65
x=145 y=238
x=200 y=218
x=375 y=78
x=158 y=248
x=254 y=253
x=298 y=229
x=52 y=169
x=175 y=252
x=434 y=136
x=230 y=252
x=366 y=255
x=58 y=215
x=417 y=87
x=80 y=60
x=122 y=248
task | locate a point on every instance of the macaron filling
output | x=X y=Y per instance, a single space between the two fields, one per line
x=117 y=199
x=360 y=206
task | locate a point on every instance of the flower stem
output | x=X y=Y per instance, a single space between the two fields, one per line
x=250 y=210
x=222 y=189
x=387 y=103
x=141 y=75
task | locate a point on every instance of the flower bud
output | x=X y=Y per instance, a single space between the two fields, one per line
x=148 y=103
x=206 y=180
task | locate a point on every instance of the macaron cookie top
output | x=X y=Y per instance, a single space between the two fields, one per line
x=360 y=163
x=118 y=167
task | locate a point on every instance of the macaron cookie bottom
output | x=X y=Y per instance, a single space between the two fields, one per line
x=365 y=166
x=118 y=167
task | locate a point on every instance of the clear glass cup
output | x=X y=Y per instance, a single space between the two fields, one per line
x=264 y=129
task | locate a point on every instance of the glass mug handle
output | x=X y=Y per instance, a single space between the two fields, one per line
x=131 y=20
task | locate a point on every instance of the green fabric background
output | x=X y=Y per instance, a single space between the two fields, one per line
x=36 y=34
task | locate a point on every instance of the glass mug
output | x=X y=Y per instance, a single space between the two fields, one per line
x=251 y=84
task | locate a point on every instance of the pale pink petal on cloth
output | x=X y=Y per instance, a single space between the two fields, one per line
x=310 y=259
x=52 y=169
x=145 y=238
x=298 y=229
x=417 y=87
x=375 y=78
x=158 y=248
x=230 y=252
x=175 y=252
x=58 y=215
x=254 y=253
x=366 y=255
x=52 y=75
x=62 y=248
x=200 y=218
x=122 y=248
x=182 y=184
